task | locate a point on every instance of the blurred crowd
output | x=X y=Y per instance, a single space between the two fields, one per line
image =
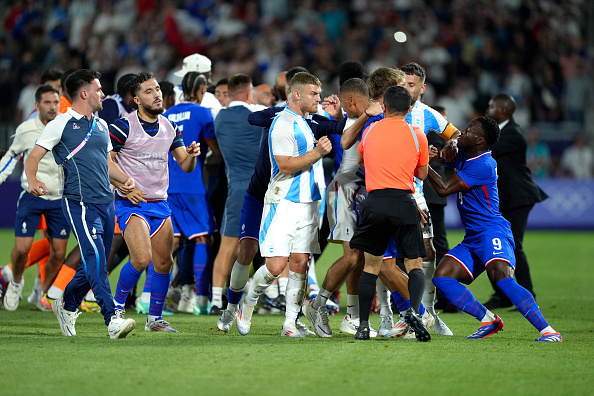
x=535 y=50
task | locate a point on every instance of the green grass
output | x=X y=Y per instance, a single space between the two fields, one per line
x=37 y=359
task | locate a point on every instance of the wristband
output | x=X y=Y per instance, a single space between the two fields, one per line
x=365 y=111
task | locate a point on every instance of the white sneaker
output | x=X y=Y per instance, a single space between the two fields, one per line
x=399 y=329
x=290 y=330
x=386 y=324
x=244 y=318
x=350 y=326
x=159 y=325
x=35 y=295
x=187 y=300
x=118 y=326
x=440 y=327
x=303 y=329
x=225 y=322
x=318 y=318
x=12 y=295
x=67 y=319
x=428 y=320
x=410 y=335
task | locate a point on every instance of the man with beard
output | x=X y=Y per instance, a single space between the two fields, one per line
x=141 y=142
x=80 y=144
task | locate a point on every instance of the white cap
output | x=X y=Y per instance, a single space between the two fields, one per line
x=194 y=63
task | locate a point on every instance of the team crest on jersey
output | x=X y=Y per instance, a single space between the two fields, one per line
x=75 y=126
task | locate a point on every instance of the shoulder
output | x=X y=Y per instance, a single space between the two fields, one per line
x=28 y=126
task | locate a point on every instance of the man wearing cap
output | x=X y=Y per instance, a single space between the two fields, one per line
x=203 y=65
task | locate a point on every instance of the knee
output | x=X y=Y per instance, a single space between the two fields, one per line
x=247 y=252
x=499 y=270
x=141 y=260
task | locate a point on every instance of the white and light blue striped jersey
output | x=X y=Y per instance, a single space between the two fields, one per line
x=290 y=135
x=427 y=118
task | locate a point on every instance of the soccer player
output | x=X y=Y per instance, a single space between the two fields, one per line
x=30 y=207
x=393 y=153
x=80 y=144
x=119 y=104
x=289 y=226
x=488 y=243
x=191 y=213
x=141 y=143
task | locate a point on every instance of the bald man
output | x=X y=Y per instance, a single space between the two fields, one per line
x=263 y=95
x=279 y=88
x=517 y=191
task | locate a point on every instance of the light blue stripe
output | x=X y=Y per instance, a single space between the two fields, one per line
x=430 y=122
x=8 y=163
x=368 y=131
x=275 y=169
x=313 y=187
x=267 y=221
x=293 y=193
x=414 y=137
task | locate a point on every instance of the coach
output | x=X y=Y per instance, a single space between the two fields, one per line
x=393 y=152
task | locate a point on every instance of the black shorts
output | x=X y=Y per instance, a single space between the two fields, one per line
x=389 y=213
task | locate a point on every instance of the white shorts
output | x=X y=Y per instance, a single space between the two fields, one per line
x=344 y=204
x=289 y=227
x=428 y=228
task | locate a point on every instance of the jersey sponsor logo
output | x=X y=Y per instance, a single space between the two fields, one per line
x=94 y=236
x=497 y=252
x=75 y=126
x=63 y=232
x=24 y=229
x=99 y=126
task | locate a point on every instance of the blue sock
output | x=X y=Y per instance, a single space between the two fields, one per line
x=422 y=309
x=234 y=296
x=202 y=271
x=460 y=297
x=159 y=287
x=401 y=303
x=128 y=278
x=149 y=276
x=524 y=301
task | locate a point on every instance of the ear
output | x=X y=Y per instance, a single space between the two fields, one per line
x=136 y=100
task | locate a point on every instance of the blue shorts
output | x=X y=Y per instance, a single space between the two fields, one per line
x=154 y=214
x=251 y=216
x=391 y=251
x=233 y=204
x=475 y=252
x=28 y=215
x=191 y=215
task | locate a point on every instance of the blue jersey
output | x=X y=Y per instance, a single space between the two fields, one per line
x=479 y=205
x=86 y=177
x=196 y=125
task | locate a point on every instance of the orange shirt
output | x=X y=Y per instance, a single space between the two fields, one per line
x=391 y=154
x=64 y=105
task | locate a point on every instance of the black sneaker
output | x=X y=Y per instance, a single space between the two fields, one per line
x=215 y=311
x=362 y=331
x=266 y=302
x=280 y=302
x=497 y=301
x=416 y=324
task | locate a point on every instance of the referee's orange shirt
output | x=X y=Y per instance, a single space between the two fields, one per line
x=392 y=150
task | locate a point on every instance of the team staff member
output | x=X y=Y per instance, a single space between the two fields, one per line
x=393 y=153
x=517 y=191
x=29 y=207
x=488 y=244
x=80 y=143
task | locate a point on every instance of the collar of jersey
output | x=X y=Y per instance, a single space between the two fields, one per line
x=74 y=113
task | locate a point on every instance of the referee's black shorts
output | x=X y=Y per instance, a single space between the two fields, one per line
x=387 y=213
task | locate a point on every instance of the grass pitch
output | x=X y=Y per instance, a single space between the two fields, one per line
x=38 y=360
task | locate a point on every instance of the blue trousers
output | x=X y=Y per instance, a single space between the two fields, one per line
x=93 y=225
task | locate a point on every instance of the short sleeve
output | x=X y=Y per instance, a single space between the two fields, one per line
x=51 y=135
x=282 y=139
x=475 y=174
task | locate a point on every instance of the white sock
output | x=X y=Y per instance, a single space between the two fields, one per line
x=202 y=301
x=152 y=318
x=90 y=296
x=383 y=295
x=239 y=276
x=429 y=293
x=312 y=270
x=353 y=306
x=272 y=291
x=55 y=293
x=295 y=295
x=489 y=317
x=37 y=283
x=282 y=285
x=217 y=296
x=260 y=282
x=321 y=298
x=6 y=273
x=547 y=329
x=145 y=297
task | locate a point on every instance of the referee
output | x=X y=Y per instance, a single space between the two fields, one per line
x=393 y=152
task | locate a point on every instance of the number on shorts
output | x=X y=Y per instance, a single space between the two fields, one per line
x=497 y=243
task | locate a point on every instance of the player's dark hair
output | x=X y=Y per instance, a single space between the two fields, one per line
x=124 y=84
x=139 y=79
x=294 y=70
x=414 y=68
x=222 y=81
x=397 y=100
x=355 y=86
x=238 y=82
x=383 y=78
x=350 y=69
x=166 y=88
x=51 y=75
x=65 y=76
x=45 y=88
x=191 y=84
x=78 y=79
x=490 y=129
x=439 y=109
